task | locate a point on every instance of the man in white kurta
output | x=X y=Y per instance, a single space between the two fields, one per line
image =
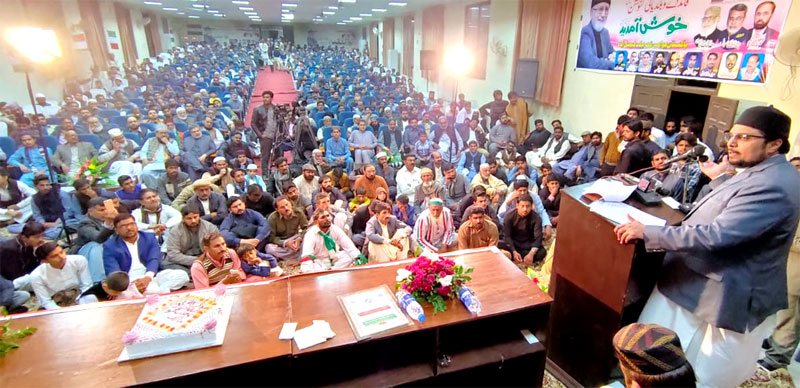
x=408 y=177
x=326 y=246
x=155 y=217
x=556 y=148
x=495 y=188
x=58 y=272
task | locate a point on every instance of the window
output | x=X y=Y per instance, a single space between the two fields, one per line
x=476 y=37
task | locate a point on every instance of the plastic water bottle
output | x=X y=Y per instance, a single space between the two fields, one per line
x=412 y=307
x=469 y=299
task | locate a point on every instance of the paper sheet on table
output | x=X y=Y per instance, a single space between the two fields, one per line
x=288 y=330
x=308 y=337
x=611 y=190
x=618 y=212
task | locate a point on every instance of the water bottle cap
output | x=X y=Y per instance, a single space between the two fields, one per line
x=421 y=318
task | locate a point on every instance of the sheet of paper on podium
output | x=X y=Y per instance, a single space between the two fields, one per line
x=618 y=212
x=611 y=190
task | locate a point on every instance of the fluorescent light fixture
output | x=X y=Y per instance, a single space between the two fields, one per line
x=251 y=13
x=347 y=1
x=398 y=3
x=241 y=2
x=169 y=9
x=356 y=18
x=342 y=24
x=194 y=17
x=212 y=11
x=366 y=15
x=328 y=13
x=289 y=5
x=379 y=10
x=198 y=5
x=152 y=2
x=181 y=13
x=286 y=11
x=246 y=9
x=288 y=16
x=286 y=20
x=333 y=7
x=219 y=14
x=347 y=21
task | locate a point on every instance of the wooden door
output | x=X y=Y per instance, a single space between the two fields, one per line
x=652 y=94
x=721 y=113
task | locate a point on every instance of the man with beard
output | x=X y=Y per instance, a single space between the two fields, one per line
x=740 y=233
x=326 y=187
x=244 y=226
x=184 y=242
x=692 y=67
x=172 y=182
x=48 y=205
x=636 y=156
x=307 y=183
x=411 y=135
x=493 y=109
x=388 y=236
x=501 y=134
x=93 y=230
x=72 y=155
x=711 y=66
x=154 y=217
x=387 y=172
x=429 y=189
x=761 y=34
x=595 y=50
x=554 y=150
x=266 y=125
x=659 y=65
x=478 y=232
x=231 y=148
x=211 y=204
x=320 y=164
x=408 y=177
x=217 y=264
x=585 y=163
x=287 y=224
x=735 y=35
x=536 y=139
x=326 y=246
x=279 y=178
x=195 y=149
x=370 y=182
x=434 y=229
x=709 y=34
x=259 y=200
x=660 y=169
x=341 y=217
x=391 y=137
x=670 y=131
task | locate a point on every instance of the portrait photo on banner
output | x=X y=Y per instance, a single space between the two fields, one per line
x=730 y=40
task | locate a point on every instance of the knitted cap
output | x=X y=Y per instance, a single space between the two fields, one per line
x=649 y=349
x=774 y=123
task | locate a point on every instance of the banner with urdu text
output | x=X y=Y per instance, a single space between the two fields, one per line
x=723 y=40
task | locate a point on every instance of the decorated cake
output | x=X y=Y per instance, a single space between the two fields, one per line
x=175 y=323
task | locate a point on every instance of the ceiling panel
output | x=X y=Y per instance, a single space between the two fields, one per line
x=272 y=11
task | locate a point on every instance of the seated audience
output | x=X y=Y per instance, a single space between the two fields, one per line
x=171 y=184
x=501 y=134
x=138 y=254
x=253 y=178
x=479 y=200
x=652 y=356
x=61 y=279
x=370 y=181
x=434 y=230
x=306 y=184
x=506 y=157
x=326 y=186
x=48 y=207
x=359 y=200
x=15 y=201
x=244 y=226
x=363 y=143
x=551 y=198
x=93 y=230
x=217 y=264
x=522 y=229
x=388 y=237
x=219 y=173
x=195 y=150
x=341 y=181
x=408 y=177
x=583 y=164
x=320 y=164
x=184 y=242
x=337 y=150
x=341 y=217
x=387 y=172
x=129 y=191
x=257 y=264
x=154 y=217
x=240 y=161
x=287 y=225
x=155 y=151
x=520 y=189
x=423 y=149
x=120 y=154
x=427 y=190
x=683 y=169
x=403 y=210
x=237 y=187
x=495 y=188
x=17 y=259
x=69 y=157
x=326 y=246
x=29 y=159
x=522 y=169
x=555 y=149
x=279 y=178
x=211 y=204
x=259 y=200
x=470 y=161
x=110 y=288
x=10 y=299
x=231 y=148
x=478 y=231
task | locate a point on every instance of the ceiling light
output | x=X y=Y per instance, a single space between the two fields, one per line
x=342 y=24
x=347 y=21
x=198 y=5
x=288 y=16
x=219 y=14
x=356 y=18
x=286 y=11
x=152 y=2
x=246 y=9
x=169 y=9
x=366 y=15
x=181 y=13
x=333 y=7
x=194 y=17
x=289 y=5
x=328 y=13
x=286 y=20
x=212 y=11
x=379 y=10
x=398 y=3
x=347 y=1
x=251 y=13
x=241 y=2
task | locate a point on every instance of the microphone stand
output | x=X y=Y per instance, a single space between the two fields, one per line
x=686 y=207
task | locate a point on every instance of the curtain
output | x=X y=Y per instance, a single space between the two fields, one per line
x=373 y=41
x=388 y=38
x=543 y=34
x=433 y=34
x=126 y=34
x=92 y=24
x=153 y=34
x=408 y=46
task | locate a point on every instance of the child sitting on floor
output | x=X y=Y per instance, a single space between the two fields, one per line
x=359 y=200
x=252 y=177
x=111 y=288
x=256 y=263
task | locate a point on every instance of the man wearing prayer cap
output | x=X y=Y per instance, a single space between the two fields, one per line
x=651 y=355
x=121 y=154
x=724 y=274
x=434 y=229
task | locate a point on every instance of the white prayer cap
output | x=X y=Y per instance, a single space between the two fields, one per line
x=252 y=166
x=356 y=117
x=381 y=155
x=161 y=127
x=114 y=132
x=484 y=165
x=203 y=90
x=180 y=109
x=90 y=100
x=219 y=159
x=316 y=151
x=40 y=95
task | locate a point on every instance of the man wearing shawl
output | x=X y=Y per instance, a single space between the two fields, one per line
x=326 y=246
x=434 y=229
x=519 y=113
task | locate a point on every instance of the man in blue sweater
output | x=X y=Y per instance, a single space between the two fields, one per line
x=244 y=226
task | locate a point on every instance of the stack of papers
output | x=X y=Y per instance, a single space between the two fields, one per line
x=611 y=190
x=319 y=332
x=618 y=212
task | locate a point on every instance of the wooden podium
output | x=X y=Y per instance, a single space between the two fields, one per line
x=598 y=286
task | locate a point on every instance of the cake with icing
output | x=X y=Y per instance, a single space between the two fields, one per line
x=175 y=323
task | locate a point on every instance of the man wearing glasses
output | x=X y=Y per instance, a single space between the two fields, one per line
x=724 y=274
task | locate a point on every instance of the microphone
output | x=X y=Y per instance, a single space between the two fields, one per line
x=695 y=153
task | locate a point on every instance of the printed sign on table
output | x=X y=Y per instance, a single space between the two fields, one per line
x=727 y=41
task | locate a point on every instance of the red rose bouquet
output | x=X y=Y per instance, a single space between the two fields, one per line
x=91 y=170
x=433 y=279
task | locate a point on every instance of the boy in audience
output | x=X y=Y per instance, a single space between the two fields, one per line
x=259 y=264
x=109 y=288
x=360 y=199
x=423 y=149
x=60 y=279
x=253 y=178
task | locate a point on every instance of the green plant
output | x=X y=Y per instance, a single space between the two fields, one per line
x=92 y=171
x=7 y=337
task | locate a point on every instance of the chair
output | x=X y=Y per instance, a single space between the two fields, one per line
x=108 y=114
x=54 y=120
x=326 y=134
x=383 y=120
x=51 y=142
x=8 y=145
x=343 y=116
x=182 y=127
x=348 y=123
x=150 y=127
x=119 y=121
x=130 y=135
x=96 y=141
x=138 y=101
x=318 y=116
x=215 y=89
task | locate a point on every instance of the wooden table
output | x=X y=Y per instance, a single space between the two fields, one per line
x=81 y=347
